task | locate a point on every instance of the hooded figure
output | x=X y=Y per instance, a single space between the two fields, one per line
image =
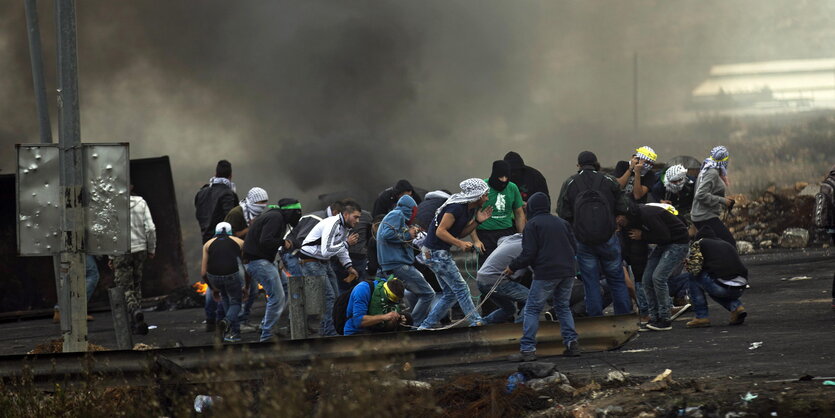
x=501 y=169
x=528 y=179
x=387 y=199
x=393 y=236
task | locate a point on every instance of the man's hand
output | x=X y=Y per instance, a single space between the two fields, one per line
x=413 y=230
x=666 y=201
x=151 y=256
x=352 y=275
x=729 y=203
x=639 y=165
x=635 y=234
x=507 y=272
x=484 y=214
x=353 y=238
x=464 y=245
x=215 y=295
x=479 y=246
x=391 y=316
x=110 y=263
x=621 y=221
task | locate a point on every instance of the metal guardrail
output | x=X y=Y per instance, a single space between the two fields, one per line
x=420 y=349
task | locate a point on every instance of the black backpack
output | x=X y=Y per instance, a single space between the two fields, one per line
x=824 y=215
x=340 y=307
x=593 y=220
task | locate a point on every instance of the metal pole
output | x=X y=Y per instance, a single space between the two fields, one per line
x=36 y=58
x=635 y=91
x=121 y=323
x=69 y=134
x=298 y=316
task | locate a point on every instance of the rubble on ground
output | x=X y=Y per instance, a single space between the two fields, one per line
x=57 y=346
x=776 y=217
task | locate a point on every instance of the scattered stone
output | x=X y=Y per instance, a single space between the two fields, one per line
x=143 y=347
x=536 y=369
x=810 y=190
x=616 y=376
x=611 y=409
x=660 y=382
x=766 y=244
x=566 y=388
x=587 y=388
x=744 y=247
x=794 y=238
x=582 y=411
x=546 y=382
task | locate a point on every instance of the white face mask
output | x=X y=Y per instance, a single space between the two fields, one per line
x=674 y=188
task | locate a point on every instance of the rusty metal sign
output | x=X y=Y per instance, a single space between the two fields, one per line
x=38 y=199
x=106 y=198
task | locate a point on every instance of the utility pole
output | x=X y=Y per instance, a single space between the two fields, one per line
x=635 y=92
x=71 y=181
x=36 y=58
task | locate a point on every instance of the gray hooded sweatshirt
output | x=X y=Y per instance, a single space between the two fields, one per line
x=709 y=199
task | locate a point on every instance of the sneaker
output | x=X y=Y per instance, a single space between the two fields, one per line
x=522 y=356
x=678 y=310
x=698 y=323
x=642 y=327
x=232 y=339
x=572 y=349
x=223 y=326
x=738 y=316
x=660 y=325
x=549 y=316
x=644 y=319
x=210 y=325
x=246 y=328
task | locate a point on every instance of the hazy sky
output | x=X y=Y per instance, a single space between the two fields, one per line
x=315 y=96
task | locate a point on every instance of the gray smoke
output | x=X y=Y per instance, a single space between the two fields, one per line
x=317 y=96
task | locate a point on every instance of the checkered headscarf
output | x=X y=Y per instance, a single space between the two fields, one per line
x=252 y=209
x=718 y=159
x=471 y=190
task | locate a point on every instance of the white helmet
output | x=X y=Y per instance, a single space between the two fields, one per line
x=675 y=177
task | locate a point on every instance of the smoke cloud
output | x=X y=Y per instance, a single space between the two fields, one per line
x=318 y=96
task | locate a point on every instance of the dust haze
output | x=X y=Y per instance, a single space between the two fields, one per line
x=317 y=96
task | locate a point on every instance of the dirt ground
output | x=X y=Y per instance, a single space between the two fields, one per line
x=788 y=335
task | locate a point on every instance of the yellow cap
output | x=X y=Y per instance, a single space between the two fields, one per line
x=647 y=152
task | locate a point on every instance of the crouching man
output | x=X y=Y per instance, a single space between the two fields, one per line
x=549 y=247
x=375 y=307
x=715 y=268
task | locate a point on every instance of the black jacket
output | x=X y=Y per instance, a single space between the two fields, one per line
x=211 y=204
x=265 y=236
x=306 y=223
x=548 y=244
x=721 y=260
x=387 y=200
x=683 y=200
x=610 y=189
x=661 y=227
x=528 y=179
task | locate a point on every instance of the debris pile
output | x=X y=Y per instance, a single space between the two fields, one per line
x=57 y=346
x=776 y=218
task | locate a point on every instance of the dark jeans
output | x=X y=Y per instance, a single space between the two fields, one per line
x=726 y=296
x=719 y=229
x=606 y=257
x=231 y=292
x=635 y=253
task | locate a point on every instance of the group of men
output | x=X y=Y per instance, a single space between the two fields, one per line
x=401 y=254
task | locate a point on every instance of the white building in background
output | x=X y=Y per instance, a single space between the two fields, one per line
x=767 y=87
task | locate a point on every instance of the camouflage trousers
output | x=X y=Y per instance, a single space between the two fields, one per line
x=127 y=272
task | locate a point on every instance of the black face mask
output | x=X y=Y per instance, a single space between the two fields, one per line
x=292 y=216
x=497 y=184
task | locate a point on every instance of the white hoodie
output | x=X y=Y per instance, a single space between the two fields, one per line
x=143 y=233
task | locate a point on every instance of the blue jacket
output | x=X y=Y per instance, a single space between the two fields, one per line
x=547 y=242
x=358 y=305
x=393 y=248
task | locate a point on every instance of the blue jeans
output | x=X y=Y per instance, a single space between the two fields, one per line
x=214 y=310
x=540 y=291
x=453 y=287
x=725 y=296
x=679 y=284
x=417 y=285
x=266 y=274
x=506 y=296
x=660 y=264
x=91 y=275
x=330 y=289
x=593 y=258
x=231 y=291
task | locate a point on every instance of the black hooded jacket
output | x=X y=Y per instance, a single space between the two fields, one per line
x=721 y=260
x=548 y=244
x=265 y=236
x=528 y=179
x=661 y=227
x=387 y=199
